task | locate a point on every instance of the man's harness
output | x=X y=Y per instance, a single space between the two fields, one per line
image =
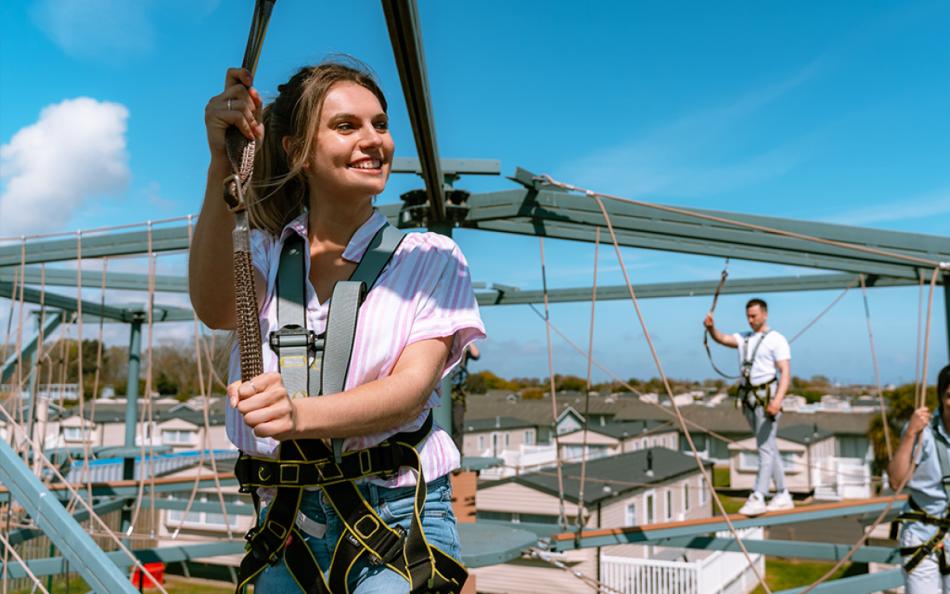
x=920 y=552
x=749 y=392
x=312 y=365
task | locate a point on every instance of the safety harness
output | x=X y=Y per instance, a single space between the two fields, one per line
x=749 y=394
x=311 y=365
x=920 y=552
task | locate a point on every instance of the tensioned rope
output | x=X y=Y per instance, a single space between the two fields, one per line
x=826 y=310
x=562 y=517
x=145 y=416
x=597 y=585
x=753 y=226
x=669 y=392
x=921 y=395
x=616 y=378
x=723 y=276
x=8 y=548
x=206 y=439
x=921 y=400
x=581 y=507
x=877 y=370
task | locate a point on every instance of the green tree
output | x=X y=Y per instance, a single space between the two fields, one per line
x=900 y=406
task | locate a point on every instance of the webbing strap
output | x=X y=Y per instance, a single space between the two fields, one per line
x=341 y=332
x=943 y=454
x=749 y=361
x=918 y=553
x=299 y=358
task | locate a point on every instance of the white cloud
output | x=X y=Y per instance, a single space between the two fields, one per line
x=75 y=152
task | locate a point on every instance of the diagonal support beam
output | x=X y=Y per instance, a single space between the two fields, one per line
x=83 y=553
x=402 y=18
x=25 y=534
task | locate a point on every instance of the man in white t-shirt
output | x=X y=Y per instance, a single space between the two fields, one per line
x=764 y=375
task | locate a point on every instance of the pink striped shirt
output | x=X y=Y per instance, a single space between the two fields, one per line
x=424 y=292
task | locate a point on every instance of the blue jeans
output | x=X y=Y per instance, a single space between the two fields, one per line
x=394 y=506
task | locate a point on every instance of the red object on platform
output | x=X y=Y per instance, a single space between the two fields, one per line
x=156 y=569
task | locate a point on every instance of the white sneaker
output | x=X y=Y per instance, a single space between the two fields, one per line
x=781 y=500
x=754 y=506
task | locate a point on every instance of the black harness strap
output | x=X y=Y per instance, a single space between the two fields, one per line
x=917 y=514
x=746 y=388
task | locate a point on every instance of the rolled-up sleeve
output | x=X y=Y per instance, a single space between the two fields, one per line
x=446 y=304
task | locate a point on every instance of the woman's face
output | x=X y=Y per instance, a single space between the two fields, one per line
x=353 y=152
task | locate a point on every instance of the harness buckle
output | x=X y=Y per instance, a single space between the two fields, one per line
x=289 y=474
x=328 y=470
x=292 y=335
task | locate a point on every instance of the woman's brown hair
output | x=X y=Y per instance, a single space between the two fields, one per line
x=279 y=188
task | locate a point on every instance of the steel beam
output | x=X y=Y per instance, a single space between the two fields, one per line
x=167 y=239
x=9 y=366
x=450 y=167
x=797 y=549
x=654 y=532
x=160 y=313
x=129 y=489
x=571 y=216
x=699 y=246
x=119 y=561
x=57 y=277
x=84 y=555
x=402 y=19
x=502 y=295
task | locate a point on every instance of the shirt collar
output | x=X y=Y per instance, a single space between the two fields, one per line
x=358 y=243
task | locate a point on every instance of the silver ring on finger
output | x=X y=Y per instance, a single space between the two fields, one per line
x=229 y=105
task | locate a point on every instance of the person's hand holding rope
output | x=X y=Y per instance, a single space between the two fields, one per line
x=239 y=105
x=265 y=405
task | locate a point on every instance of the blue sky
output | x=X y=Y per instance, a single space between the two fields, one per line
x=822 y=111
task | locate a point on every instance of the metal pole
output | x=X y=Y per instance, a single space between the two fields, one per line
x=83 y=554
x=131 y=410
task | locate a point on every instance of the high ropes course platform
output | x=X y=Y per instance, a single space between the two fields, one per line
x=537 y=206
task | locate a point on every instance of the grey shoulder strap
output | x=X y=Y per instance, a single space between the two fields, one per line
x=943 y=454
x=378 y=254
x=330 y=364
x=293 y=342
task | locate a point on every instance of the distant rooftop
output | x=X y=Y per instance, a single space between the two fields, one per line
x=611 y=476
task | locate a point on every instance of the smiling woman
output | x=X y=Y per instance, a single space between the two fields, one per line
x=324 y=151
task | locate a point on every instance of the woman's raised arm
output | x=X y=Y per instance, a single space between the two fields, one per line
x=210 y=274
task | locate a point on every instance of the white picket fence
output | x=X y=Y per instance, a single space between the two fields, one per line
x=719 y=573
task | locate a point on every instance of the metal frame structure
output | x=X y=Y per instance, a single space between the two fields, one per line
x=533 y=209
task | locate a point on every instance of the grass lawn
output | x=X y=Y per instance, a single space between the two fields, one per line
x=732 y=504
x=720 y=477
x=781 y=574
